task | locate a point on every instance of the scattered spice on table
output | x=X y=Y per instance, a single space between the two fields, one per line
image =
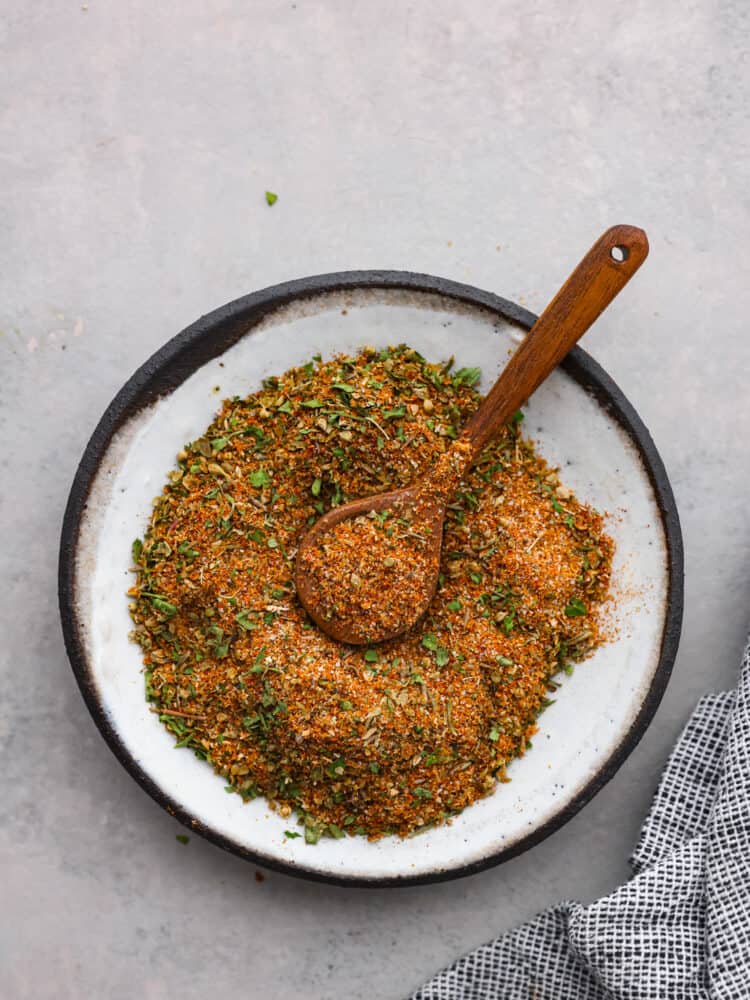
x=388 y=739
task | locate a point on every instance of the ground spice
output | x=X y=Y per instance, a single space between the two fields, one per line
x=365 y=571
x=372 y=741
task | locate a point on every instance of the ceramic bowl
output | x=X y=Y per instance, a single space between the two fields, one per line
x=582 y=423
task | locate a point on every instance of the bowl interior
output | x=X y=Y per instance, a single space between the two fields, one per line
x=595 y=709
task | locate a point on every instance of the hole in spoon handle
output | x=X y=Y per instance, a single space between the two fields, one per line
x=627 y=245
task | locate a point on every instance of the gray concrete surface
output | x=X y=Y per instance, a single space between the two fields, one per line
x=488 y=142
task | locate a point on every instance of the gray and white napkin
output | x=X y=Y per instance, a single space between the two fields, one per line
x=680 y=928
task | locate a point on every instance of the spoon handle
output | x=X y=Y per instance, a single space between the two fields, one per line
x=604 y=271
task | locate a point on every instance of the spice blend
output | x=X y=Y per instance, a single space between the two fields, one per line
x=366 y=571
x=396 y=737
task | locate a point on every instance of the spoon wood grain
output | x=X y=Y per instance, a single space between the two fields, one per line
x=601 y=275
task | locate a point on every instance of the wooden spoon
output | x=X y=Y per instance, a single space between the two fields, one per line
x=348 y=559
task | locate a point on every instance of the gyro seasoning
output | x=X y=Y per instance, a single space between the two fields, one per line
x=388 y=739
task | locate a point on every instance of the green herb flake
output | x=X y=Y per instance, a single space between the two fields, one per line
x=576 y=608
x=259 y=478
x=244 y=622
x=546 y=702
x=163 y=606
x=182 y=838
x=257 y=667
x=466 y=376
x=316 y=486
x=371 y=656
x=399 y=411
x=186 y=549
x=312 y=834
x=271 y=198
x=291 y=834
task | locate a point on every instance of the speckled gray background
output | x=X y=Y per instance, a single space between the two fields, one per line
x=488 y=142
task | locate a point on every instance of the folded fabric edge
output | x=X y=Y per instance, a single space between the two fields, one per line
x=681 y=806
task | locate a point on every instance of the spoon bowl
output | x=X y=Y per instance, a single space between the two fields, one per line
x=412 y=582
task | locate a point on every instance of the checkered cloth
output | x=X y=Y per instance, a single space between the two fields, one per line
x=680 y=928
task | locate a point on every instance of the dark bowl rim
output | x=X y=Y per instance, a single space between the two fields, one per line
x=211 y=336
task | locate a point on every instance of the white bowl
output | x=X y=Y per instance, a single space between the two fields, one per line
x=582 y=423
